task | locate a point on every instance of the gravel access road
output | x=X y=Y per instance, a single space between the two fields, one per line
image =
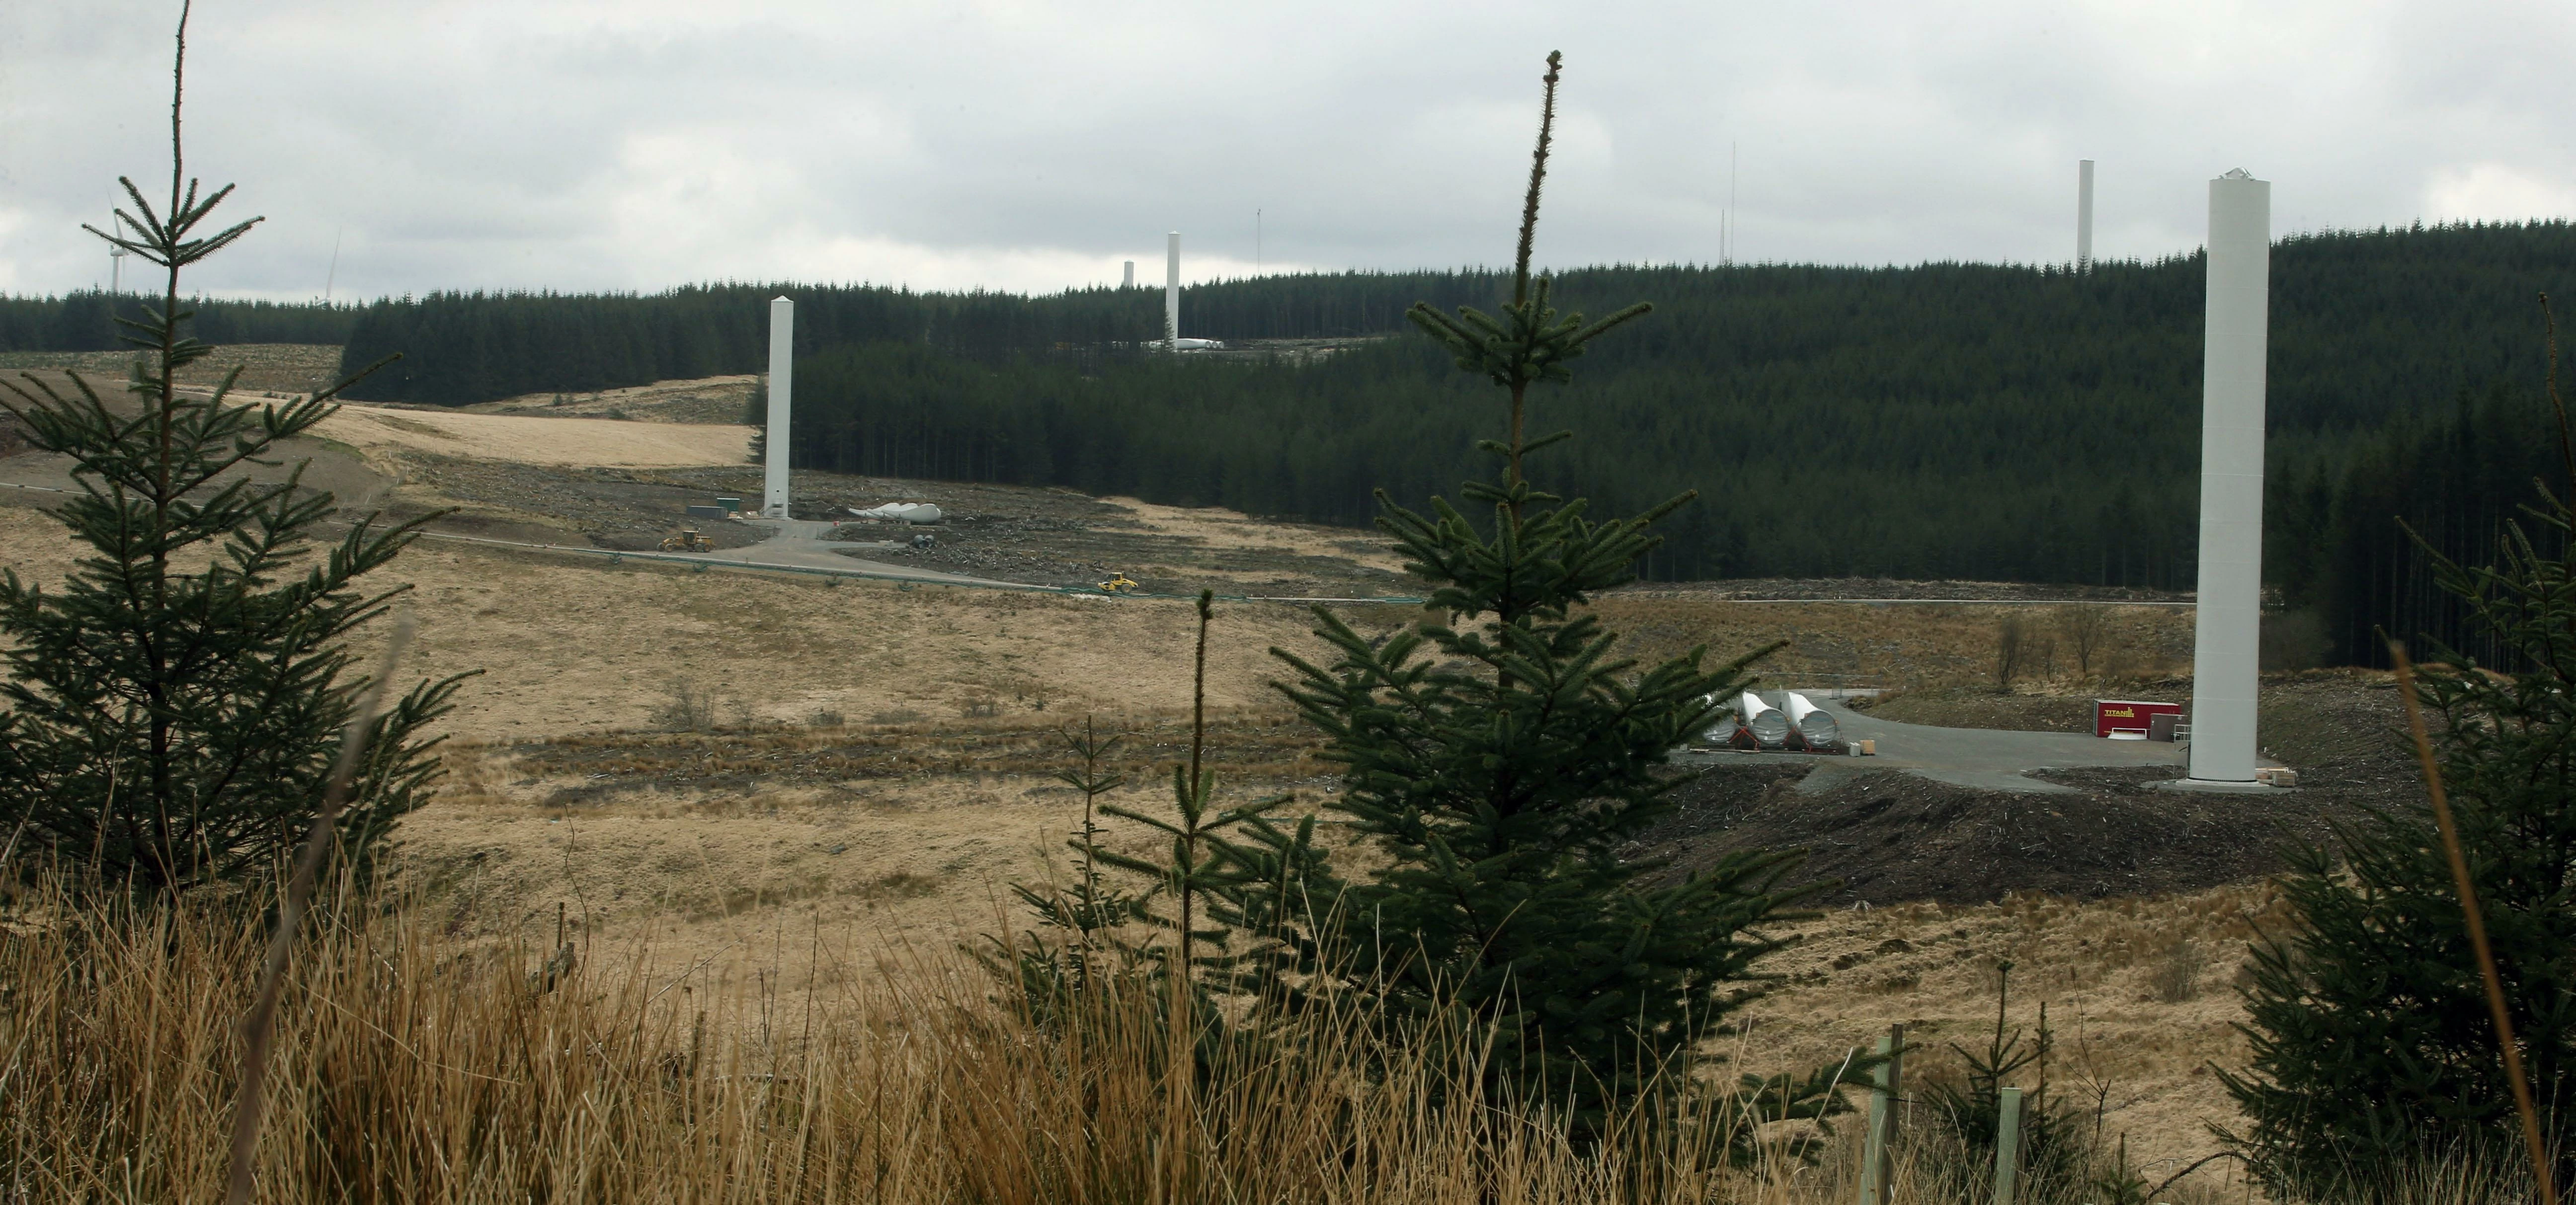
x=1983 y=758
x=808 y=544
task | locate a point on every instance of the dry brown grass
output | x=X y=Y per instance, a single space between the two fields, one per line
x=2136 y=1057
x=788 y=867
x=875 y=866
x=715 y=400
x=266 y=367
x=418 y=1066
x=569 y=644
x=875 y=837
x=1267 y=745
x=526 y=439
x=414 y=1067
x=1217 y=527
x=573 y=644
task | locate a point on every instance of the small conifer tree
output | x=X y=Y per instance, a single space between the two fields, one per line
x=2373 y=1047
x=174 y=704
x=1082 y=919
x=1499 y=755
x=1971 y=1107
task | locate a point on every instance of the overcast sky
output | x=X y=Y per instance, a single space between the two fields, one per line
x=640 y=144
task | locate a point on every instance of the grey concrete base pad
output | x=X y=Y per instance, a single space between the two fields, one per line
x=2217 y=786
x=807 y=543
x=1985 y=759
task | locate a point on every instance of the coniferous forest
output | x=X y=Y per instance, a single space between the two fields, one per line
x=1938 y=421
x=86 y=321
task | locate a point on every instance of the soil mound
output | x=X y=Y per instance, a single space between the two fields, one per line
x=1895 y=837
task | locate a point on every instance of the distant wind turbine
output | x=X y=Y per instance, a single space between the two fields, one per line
x=334 y=273
x=115 y=263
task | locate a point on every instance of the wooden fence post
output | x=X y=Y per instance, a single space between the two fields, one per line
x=1878 y=1150
x=2007 y=1145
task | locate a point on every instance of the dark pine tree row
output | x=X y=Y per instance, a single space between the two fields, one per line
x=1944 y=420
x=1940 y=421
x=1832 y=485
x=85 y=321
x=2459 y=477
x=478 y=347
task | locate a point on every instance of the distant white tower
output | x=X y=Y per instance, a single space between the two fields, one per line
x=1131 y=275
x=2236 y=344
x=1172 y=295
x=782 y=393
x=2084 y=217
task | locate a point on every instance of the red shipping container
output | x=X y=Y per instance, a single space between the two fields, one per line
x=2127 y=715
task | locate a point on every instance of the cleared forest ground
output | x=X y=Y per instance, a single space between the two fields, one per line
x=744 y=768
x=266 y=367
x=536 y=440
x=713 y=400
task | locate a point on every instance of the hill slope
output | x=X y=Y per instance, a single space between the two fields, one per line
x=1944 y=420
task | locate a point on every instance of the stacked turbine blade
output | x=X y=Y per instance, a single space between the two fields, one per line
x=1812 y=727
x=1758 y=725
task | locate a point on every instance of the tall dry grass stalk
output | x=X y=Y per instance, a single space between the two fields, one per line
x=259 y=1028
x=2534 y=1143
x=412 y=1067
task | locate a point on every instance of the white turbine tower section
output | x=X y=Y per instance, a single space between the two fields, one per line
x=782 y=393
x=1172 y=295
x=2084 y=217
x=2237 y=343
x=1131 y=275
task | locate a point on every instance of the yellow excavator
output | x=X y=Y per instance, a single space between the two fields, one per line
x=689 y=540
x=1118 y=584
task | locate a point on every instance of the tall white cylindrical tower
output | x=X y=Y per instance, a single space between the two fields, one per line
x=1172 y=296
x=782 y=393
x=1131 y=275
x=2084 y=216
x=2237 y=341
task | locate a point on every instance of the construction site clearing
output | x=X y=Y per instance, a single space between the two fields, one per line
x=689 y=757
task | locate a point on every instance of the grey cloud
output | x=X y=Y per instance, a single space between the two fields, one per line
x=578 y=145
